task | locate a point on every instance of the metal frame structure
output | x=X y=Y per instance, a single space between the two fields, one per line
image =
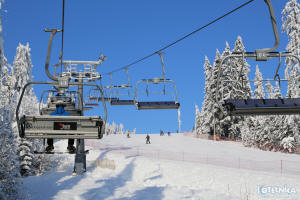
x=114 y=91
x=147 y=105
x=76 y=126
x=259 y=106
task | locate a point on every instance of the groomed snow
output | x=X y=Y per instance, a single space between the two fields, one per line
x=171 y=167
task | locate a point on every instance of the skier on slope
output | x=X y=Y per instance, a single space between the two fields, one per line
x=128 y=134
x=147 y=139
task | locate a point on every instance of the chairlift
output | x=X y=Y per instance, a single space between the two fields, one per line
x=94 y=95
x=69 y=100
x=147 y=105
x=115 y=90
x=65 y=127
x=284 y=106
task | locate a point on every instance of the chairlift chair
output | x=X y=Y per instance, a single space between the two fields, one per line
x=95 y=95
x=148 y=105
x=68 y=100
x=118 y=101
x=285 y=106
x=64 y=127
x=114 y=90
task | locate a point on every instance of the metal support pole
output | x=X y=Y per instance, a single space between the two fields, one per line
x=80 y=157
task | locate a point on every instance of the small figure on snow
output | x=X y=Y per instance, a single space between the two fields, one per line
x=169 y=134
x=147 y=139
x=128 y=134
x=161 y=133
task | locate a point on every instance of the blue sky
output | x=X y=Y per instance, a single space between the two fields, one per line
x=127 y=30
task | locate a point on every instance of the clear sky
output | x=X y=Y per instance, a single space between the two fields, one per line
x=127 y=30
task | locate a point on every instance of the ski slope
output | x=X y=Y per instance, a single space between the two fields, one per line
x=171 y=167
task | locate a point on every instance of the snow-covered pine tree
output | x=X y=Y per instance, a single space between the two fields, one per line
x=121 y=129
x=257 y=121
x=212 y=106
x=114 y=128
x=21 y=73
x=134 y=131
x=197 y=120
x=291 y=25
x=259 y=91
x=202 y=121
x=8 y=160
x=235 y=86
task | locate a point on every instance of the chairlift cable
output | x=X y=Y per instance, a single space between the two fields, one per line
x=180 y=39
x=62 y=35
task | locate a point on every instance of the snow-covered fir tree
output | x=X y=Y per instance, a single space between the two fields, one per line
x=235 y=86
x=198 y=124
x=134 y=131
x=259 y=91
x=203 y=122
x=213 y=107
x=8 y=159
x=121 y=129
x=291 y=25
x=21 y=74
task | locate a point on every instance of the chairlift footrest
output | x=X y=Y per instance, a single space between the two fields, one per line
x=157 y=105
x=58 y=152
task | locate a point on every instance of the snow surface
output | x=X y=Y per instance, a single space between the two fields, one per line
x=171 y=167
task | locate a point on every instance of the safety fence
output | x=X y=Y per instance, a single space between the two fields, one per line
x=270 y=166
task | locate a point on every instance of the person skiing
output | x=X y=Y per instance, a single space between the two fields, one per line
x=128 y=134
x=147 y=139
x=169 y=134
x=161 y=133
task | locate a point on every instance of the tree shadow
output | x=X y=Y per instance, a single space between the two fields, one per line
x=148 y=193
x=111 y=184
x=50 y=183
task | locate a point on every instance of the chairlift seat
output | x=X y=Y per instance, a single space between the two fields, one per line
x=100 y=98
x=287 y=106
x=61 y=127
x=119 y=102
x=73 y=111
x=157 y=105
x=91 y=104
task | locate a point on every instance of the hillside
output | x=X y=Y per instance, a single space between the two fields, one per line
x=171 y=167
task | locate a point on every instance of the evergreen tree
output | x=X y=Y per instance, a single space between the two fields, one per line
x=214 y=118
x=259 y=91
x=134 y=131
x=8 y=160
x=21 y=74
x=197 y=120
x=204 y=121
x=121 y=129
x=235 y=86
x=291 y=25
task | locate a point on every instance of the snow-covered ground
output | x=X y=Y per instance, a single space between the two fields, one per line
x=171 y=167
